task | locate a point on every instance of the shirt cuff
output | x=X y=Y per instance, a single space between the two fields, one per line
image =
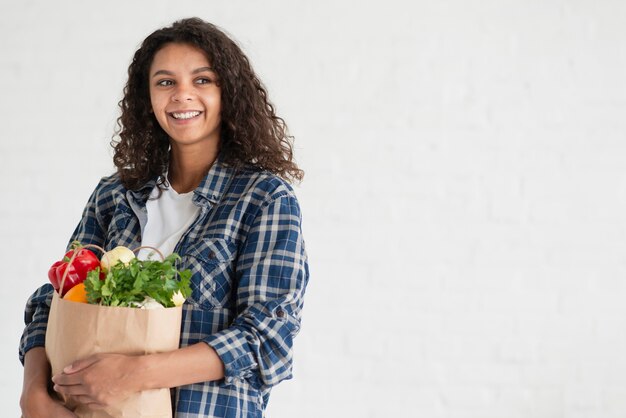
x=34 y=336
x=233 y=348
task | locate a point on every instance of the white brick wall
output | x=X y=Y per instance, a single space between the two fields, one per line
x=464 y=200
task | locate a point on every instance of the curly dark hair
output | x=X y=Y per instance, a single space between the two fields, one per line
x=251 y=133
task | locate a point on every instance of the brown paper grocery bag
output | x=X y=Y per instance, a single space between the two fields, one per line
x=77 y=330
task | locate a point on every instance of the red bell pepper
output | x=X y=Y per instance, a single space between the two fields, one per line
x=84 y=262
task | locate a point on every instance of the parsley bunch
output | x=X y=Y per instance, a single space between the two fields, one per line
x=130 y=284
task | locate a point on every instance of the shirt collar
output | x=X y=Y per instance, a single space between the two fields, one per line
x=214 y=184
x=141 y=195
x=209 y=192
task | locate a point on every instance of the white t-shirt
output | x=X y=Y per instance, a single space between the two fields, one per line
x=169 y=217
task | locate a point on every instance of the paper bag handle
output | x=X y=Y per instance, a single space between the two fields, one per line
x=156 y=250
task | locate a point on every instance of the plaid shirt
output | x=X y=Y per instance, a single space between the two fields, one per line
x=250 y=270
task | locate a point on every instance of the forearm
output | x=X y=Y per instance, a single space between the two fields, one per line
x=36 y=370
x=35 y=401
x=192 y=364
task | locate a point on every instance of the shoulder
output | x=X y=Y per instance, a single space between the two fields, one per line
x=108 y=191
x=264 y=186
x=111 y=183
x=109 y=197
x=257 y=193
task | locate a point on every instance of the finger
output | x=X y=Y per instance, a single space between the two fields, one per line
x=63 y=379
x=59 y=411
x=80 y=365
x=72 y=390
x=89 y=401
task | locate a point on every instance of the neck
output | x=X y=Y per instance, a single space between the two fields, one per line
x=188 y=167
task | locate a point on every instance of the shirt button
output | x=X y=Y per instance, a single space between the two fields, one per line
x=280 y=313
x=211 y=255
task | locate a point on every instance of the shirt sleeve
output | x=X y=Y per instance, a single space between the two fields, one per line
x=36 y=320
x=37 y=308
x=272 y=274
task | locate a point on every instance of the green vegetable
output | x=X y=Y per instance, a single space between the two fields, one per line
x=128 y=285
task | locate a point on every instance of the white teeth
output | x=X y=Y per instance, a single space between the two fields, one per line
x=185 y=115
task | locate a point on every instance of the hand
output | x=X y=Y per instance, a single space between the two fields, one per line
x=41 y=405
x=36 y=402
x=99 y=380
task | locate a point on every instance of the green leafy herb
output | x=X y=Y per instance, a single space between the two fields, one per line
x=128 y=285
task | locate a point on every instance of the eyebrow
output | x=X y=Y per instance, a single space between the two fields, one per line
x=196 y=71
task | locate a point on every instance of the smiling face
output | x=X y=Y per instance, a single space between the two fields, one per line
x=185 y=97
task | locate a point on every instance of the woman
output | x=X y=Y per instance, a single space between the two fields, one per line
x=201 y=162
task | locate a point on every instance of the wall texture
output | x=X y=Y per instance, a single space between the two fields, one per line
x=464 y=204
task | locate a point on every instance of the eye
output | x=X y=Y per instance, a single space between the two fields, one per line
x=164 y=83
x=203 y=80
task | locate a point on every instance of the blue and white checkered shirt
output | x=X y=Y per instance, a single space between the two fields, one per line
x=250 y=271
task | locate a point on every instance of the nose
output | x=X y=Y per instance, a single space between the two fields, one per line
x=182 y=93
